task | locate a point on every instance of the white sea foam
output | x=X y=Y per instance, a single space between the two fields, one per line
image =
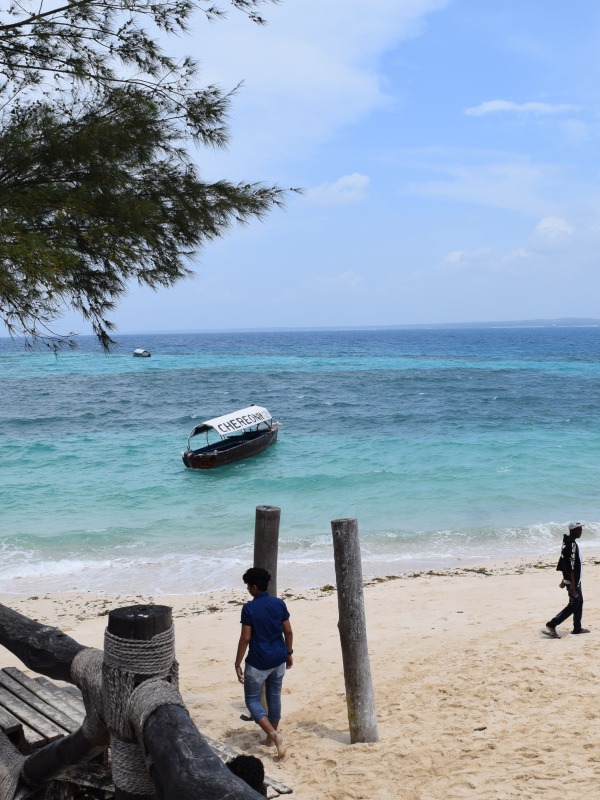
x=197 y=571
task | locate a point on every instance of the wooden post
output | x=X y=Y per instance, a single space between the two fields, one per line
x=49 y=651
x=183 y=764
x=353 y=632
x=40 y=647
x=140 y=623
x=131 y=624
x=44 y=763
x=266 y=542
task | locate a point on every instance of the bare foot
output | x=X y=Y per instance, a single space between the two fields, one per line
x=278 y=742
x=551 y=632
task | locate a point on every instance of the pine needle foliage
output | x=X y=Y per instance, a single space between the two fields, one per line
x=97 y=185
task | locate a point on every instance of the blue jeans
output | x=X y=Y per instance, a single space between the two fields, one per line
x=254 y=679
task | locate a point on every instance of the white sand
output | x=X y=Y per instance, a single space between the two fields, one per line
x=472 y=701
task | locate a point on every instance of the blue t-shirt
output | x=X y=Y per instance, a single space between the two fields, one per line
x=265 y=615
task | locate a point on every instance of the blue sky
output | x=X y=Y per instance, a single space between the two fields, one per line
x=448 y=154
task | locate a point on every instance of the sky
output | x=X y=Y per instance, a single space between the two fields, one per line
x=448 y=156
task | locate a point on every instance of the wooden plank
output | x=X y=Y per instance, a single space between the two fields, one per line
x=74 y=691
x=31 y=738
x=12 y=728
x=96 y=776
x=50 y=704
x=70 y=702
x=8 y=722
x=17 y=732
x=48 y=730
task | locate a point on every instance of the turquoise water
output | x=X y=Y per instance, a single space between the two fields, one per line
x=447 y=445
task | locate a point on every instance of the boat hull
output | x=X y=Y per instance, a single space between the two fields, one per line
x=229 y=450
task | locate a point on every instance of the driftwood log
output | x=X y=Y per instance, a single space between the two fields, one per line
x=182 y=764
x=352 y=626
x=41 y=648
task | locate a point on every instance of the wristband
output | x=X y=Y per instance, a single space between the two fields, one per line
x=290 y=652
x=237 y=666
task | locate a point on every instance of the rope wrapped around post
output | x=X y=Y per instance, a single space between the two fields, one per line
x=180 y=760
x=131 y=691
x=139 y=644
x=11 y=762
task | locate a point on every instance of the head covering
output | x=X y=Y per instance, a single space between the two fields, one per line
x=574 y=525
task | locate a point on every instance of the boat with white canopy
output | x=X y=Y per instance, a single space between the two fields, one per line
x=242 y=433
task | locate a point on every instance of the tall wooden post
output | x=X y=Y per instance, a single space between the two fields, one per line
x=352 y=626
x=137 y=646
x=266 y=542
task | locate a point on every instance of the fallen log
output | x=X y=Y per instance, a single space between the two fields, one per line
x=42 y=648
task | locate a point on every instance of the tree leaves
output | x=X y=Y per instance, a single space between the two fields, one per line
x=97 y=185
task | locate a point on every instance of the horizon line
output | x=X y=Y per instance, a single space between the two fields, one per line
x=559 y=322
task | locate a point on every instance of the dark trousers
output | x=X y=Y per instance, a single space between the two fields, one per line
x=575 y=607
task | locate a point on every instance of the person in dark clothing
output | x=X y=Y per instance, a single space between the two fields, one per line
x=250 y=769
x=267 y=634
x=569 y=564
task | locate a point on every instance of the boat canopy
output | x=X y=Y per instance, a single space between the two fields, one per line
x=235 y=421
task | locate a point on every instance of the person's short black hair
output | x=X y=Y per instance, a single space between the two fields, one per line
x=250 y=769
x=257 y=576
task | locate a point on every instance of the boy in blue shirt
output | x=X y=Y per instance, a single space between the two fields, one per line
x=267 y=632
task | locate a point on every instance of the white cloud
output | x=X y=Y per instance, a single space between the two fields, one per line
x=347 y=189
x=518 y=254
x=554 y=230
x=314 y=68
x=485 y=260
x=507 y=182
x=534 y=108
x=465 y=256
x=576 y=131
x=342 y=282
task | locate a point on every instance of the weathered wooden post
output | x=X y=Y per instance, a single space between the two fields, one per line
x=42 y=648
x=183 y=765
x=353 y=632
x=139 y=644
x=49 y=651
x=133 y=686
x=266 y=542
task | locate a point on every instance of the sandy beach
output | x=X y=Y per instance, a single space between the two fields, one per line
x=472 y=700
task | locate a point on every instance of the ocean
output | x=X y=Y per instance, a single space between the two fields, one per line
x=449 y=446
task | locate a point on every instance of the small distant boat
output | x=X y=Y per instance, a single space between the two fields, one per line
x=139 y=353
x=242 y=434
